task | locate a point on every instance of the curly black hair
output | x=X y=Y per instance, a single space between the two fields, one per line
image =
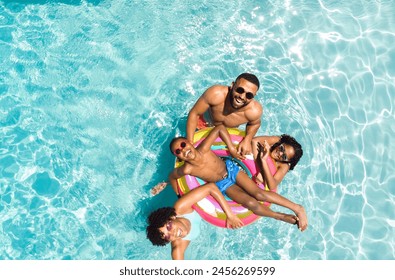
x=289 y=140
x=156 y=220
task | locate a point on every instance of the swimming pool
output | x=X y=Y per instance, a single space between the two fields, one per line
x=92 y=92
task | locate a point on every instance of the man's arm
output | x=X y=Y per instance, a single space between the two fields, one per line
x=211 y=97
x=200 y=107
x=252 y=128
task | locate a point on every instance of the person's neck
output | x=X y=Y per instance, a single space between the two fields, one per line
x=186 y=223
x=198 y=158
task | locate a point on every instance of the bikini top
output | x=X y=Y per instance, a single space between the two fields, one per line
x=195 y=220
x=272 y=165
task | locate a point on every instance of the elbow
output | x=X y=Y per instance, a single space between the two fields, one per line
x=192 y=114
x=211 y=188
x=221 y=127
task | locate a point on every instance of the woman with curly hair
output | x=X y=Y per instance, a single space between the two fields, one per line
x=180 y=224
x=275 y=155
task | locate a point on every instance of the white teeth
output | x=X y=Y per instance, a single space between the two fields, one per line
x=187 y=153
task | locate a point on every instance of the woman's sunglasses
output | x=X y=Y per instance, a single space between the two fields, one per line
x=284 y=157
x=240 y=90
x=169 y=226
x=182 y=146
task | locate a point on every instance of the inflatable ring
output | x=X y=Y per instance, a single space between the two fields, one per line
x=208 y=208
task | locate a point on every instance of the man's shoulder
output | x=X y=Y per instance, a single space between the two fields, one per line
x=216 y=94
x=256 y=105
x=254 y=111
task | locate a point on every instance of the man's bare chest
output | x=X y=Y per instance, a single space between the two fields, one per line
x=232 y=119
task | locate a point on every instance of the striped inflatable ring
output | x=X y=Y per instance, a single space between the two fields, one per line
x=208 y=208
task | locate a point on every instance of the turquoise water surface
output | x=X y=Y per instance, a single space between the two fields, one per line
x=92 y=92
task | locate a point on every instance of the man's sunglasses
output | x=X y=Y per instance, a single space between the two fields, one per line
x=182 y=146
x=240 y=90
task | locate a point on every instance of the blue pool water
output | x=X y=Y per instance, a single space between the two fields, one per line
x=91 y=93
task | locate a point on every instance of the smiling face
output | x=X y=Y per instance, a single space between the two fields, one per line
x=174 y=229
x=182 y=149
x=283 y=153
x=242 y=93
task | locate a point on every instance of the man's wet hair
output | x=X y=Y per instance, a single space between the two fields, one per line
x=249 y=77
x=174 y=140
x=289 y=140
x=156 y=220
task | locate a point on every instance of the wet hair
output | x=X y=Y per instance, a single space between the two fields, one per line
x=174 y=140
x=249 y=77
x=289 y=140
x=156 y=220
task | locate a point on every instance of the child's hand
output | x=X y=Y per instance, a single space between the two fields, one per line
x=263 y=150
x=233 y=222
x=233 y=152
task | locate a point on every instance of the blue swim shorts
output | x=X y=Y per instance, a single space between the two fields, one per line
x=233 y=169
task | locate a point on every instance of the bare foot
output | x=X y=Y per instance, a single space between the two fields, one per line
x=291 y=219
x=158 y=188
x=302 y=218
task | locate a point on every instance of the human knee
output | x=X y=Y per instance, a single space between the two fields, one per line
x=251 y=204
x=261 y=195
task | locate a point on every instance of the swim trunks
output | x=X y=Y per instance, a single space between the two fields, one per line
x=195 y=220
x=233 y=169
x=204 y=121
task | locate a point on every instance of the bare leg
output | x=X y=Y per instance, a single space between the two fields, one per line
x=237 y=194
x=244 y=182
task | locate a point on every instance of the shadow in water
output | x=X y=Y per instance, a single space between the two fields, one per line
x=167 y=197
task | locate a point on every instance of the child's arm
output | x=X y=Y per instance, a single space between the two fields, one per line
x=224 y=134
x=220 y=131
x=174 y=175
